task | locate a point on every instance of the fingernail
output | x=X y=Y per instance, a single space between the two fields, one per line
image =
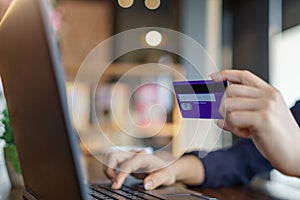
x=148 y=185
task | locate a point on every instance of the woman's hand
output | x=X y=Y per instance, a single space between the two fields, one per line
x=254 y=109
x=154 y=170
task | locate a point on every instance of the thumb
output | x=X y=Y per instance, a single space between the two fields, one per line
x=158 y=178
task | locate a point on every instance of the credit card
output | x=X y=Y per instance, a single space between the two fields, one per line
x=200 y=99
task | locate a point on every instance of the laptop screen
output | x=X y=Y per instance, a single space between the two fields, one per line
x=34 y=88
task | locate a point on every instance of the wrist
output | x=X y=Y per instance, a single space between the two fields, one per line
x=189 y=170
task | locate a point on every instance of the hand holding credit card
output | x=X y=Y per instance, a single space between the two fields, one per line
x=200 y=99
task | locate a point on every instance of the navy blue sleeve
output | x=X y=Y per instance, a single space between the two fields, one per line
x=296 y=111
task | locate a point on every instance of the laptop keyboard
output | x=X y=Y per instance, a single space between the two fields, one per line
x=105 y=192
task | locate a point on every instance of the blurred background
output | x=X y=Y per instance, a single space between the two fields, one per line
x=262 y=36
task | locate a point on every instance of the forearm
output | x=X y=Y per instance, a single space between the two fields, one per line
x=295 y=162
x=283 y=150
x=290 y=162
x=188 y=170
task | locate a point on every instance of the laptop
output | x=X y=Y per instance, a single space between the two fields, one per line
x=34 y=88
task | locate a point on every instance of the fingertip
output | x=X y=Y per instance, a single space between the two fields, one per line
x=119 y=180
x=148 y=184
x=114 y=186
x=222 y=124
x=216 y=121
x=154 y=180
x=219 y=122
x=212 y=74
x=216 y=76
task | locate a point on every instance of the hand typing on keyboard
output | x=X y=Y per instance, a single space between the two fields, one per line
x=155 y=171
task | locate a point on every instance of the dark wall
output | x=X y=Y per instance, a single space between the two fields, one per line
x=290 y=13
x=250 y=36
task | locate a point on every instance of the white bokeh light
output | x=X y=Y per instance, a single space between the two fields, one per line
x=125 y=3
x=153 y=38
x=152 y=4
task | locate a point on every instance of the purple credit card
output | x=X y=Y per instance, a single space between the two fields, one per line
x=200 y=99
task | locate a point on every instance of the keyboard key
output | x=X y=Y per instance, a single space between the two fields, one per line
x=124 y=193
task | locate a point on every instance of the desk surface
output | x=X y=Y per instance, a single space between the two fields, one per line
x=258 y=189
